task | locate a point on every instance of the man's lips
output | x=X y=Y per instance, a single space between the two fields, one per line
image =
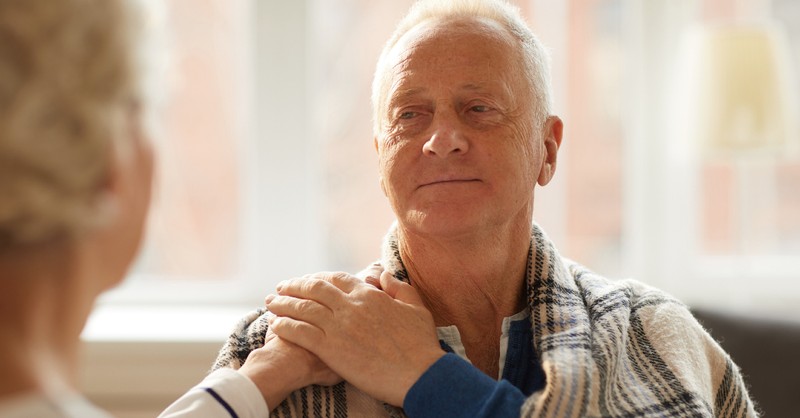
x=448 y=181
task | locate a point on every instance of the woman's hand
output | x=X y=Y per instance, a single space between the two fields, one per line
x=280 y=367
x=381 y=341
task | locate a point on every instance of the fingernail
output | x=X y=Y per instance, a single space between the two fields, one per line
x=269 y=299
x=279 y=286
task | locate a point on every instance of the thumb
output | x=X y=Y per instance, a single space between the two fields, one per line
x=400 y=290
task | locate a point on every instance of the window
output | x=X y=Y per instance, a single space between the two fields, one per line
x=268 y=169
x=194 y=232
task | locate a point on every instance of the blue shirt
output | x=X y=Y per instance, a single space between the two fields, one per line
x=452 y=387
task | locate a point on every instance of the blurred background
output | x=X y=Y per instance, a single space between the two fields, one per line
x=680 y=166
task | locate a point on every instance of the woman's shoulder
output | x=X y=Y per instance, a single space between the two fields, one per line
x=42 y=406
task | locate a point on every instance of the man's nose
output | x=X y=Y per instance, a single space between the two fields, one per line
x=446 y=139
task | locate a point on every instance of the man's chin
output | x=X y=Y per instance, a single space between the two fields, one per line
x=442 y=223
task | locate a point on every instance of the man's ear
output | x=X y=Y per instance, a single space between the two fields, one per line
x=553 y=132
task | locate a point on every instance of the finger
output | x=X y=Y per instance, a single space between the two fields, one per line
x=373 y=271
x=301 y=309
x=268 y=299
x=269 y=336
x=297 y=332
x=314 y=289
x=343 y=281
x=400 y=290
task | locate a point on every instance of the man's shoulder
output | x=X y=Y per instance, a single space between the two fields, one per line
x=246 y=336
x=639 y=308
x=630 y=293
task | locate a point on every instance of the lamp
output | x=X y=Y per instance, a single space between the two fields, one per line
x=742 y=109
x=744 y=90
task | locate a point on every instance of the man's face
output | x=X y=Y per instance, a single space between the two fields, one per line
x=457 y=146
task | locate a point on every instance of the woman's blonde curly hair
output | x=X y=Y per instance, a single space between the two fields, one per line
x=69 y=71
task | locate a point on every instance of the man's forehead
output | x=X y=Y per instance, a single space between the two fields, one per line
x=438 y=44
x=398 y=92
x=443 y=30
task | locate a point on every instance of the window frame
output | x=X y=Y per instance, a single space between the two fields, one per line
x=288 y=239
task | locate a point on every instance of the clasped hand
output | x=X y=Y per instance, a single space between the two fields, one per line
x=377 y=334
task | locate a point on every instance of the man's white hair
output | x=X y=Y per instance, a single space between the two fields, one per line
x=536 y=59
x=70 y=71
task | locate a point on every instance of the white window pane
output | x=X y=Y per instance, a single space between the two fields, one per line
x=194 y=227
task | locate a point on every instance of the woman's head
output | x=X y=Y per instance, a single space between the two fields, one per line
x=72 y=101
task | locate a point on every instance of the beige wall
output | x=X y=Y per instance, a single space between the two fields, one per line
x=140 y=379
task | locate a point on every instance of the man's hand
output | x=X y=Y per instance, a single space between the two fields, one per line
x=381 y=341
x=280 y=367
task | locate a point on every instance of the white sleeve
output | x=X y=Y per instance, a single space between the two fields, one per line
x=224 y=393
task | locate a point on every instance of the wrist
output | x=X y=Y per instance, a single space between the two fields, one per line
x=424 y=362
x=274 y=379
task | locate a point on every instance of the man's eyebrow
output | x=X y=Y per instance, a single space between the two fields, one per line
x=399 y=96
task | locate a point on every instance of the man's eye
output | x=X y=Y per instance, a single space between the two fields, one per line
x=408 y=115
x=480 y=108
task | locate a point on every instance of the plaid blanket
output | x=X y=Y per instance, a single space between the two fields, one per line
x=608 y=349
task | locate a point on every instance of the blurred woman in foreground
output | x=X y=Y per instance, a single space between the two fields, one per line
x=75 y=179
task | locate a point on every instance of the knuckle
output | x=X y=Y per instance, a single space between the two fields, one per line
x=286 y=286
x=340 y=275
x=320 y=275
x=288 y=327
x=277 y=304
x=293 y=326
x=369 y=294
x=277 y=324
x=311 y=286
x=305 y=305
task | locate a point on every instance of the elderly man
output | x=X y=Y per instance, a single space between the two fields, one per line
x=471 y=312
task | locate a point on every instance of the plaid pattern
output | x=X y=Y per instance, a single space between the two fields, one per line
x=608 y=349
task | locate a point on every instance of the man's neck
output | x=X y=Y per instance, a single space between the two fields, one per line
x=469 y=280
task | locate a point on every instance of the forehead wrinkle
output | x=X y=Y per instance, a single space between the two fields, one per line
x=399 y=95
x=473 y=86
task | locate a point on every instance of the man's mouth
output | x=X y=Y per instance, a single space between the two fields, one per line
x=449 y=181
